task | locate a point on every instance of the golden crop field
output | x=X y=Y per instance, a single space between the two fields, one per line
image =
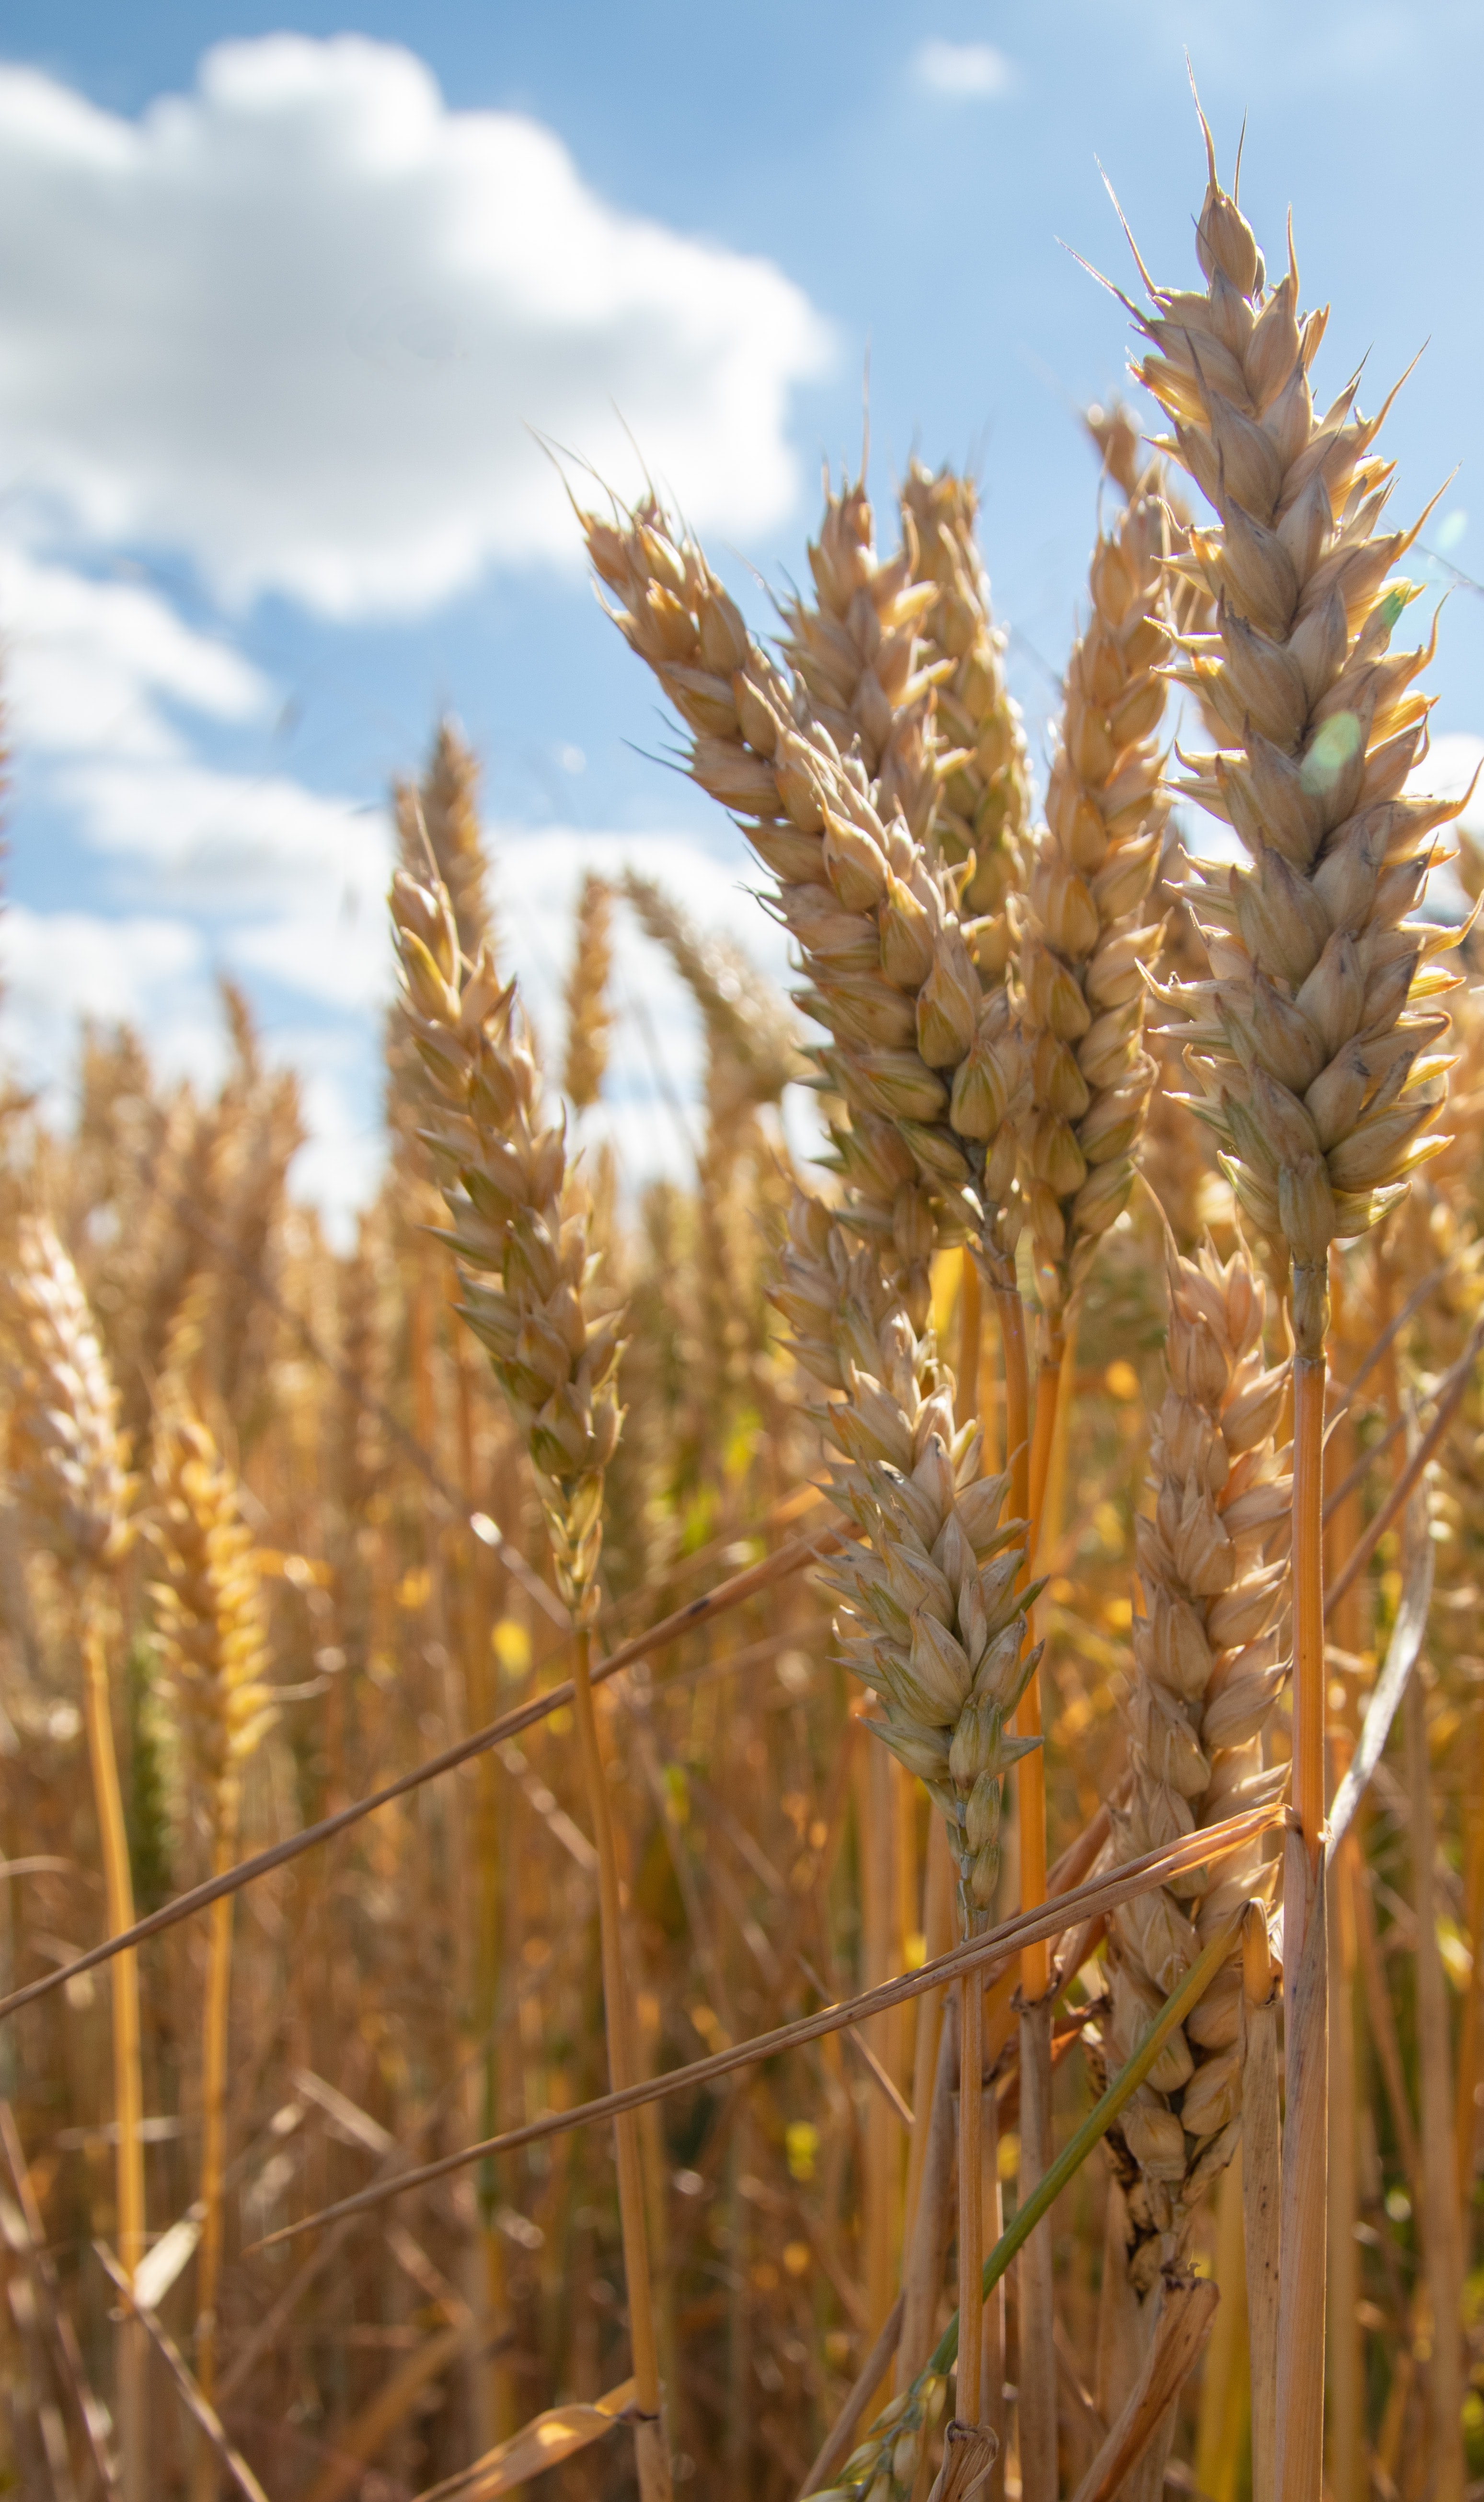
x=820 y=1831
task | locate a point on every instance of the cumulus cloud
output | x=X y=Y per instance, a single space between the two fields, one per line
x=300 y=323
x=195 y=870
x=968 y=71
x=191 y=868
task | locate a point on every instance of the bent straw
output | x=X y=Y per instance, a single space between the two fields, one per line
x=727 y=1594
x=997 y=1949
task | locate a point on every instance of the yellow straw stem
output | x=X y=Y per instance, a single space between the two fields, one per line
x=971 y=2194
x=214 y=2049
x=1031 y=1778
x=651 y=2451
x=970 y=1310
x=128 y=2089
x=1309 y=1775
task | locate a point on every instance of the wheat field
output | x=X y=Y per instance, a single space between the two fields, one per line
x=818 y=1831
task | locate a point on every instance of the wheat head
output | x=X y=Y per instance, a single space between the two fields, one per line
x=1313 y=1041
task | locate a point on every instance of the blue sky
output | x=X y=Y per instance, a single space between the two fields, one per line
x=271 y=319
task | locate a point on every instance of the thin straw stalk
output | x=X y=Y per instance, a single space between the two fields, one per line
x=1441 y=2236
x=521 y=1227
x=996 y=1951
x=128 y=2086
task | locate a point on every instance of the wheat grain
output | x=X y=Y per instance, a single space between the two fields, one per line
x=932 y=1619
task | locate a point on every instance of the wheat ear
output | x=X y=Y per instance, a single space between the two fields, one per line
x=520 y=1229
x=210 y=1617
x=1312 y=1043
x=69 y=1479
x=1206 y=1673
x=920 y=1053
x=588 y=999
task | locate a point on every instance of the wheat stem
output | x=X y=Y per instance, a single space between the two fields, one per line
x=649 y=2442
x=970 y=2194
x=128 y=2087
x=1309 y=1600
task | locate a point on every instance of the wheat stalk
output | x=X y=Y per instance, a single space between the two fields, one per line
x=1312 y=1042
x=69 y=1479
x=520 y=1216
x=211 y=1622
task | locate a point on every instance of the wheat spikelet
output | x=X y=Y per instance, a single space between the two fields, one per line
x=520 y=1224
x=1206 y=1673
x=984 y=796
x=857 y=652
x=1085 y=938
x=590 y=1010
x=922 y=1055
x=1311 y=1042
x=440 y=815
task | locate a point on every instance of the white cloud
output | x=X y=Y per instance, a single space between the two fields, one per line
x=971 y=71
x=298 y=323
x=87 y=663
x=140 y=969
